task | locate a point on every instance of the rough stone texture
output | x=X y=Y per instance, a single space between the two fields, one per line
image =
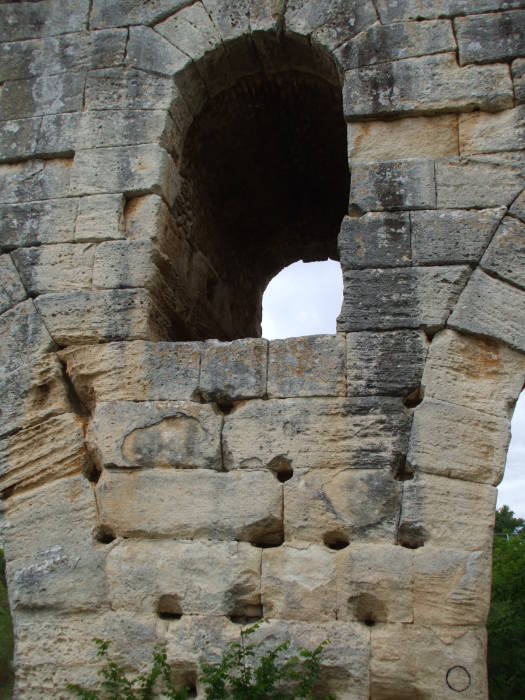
x=35 y=180
x=375 y=240
x=233 y=371
x=25 y=20
x=12 y=289
x=23 y=335
x=60 y=267
x=473 y=183
x=518 y=75
x=518 y=207
x=393 y=185
x=505 y=256
x=490 y=133
x=491 y=37
x=427 y=9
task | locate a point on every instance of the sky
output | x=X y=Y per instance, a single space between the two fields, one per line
x=305 y=299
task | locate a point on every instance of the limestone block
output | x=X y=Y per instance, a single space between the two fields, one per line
x=51 y=55
x=34 y=223
x=43 y=137
x=200 y=578
x=99 y=217
x=298 y=582
x=403 y=184
x=411 y=137
x=19 y=138
x=55 y=268
x=115 y=13
x=125 y=127
x=11 y=288
x=265 y=15
x=427 y=9
x=518 y=207
x=32 y=393
x=451 y=587
x=480 y=132
x=197 y=638
x=518 y=76
x=455 y=441
x=27 y=20
x=47 y=94
x=318 y=433
x=127 y=169
x=233 y=371
x=400 y=298
x=231 y=17
x=375 y=239
x=387 y=363
x=23 y=336
x=58 y=135
x=116 y=88
x=492 y=308
x=47 y=451
x=148 y=217
x=475 y=183
x=133 y=371
x=414 y=661
x=330 y=23
x=428 y=84
x=122 y=264
x=192 y=504
x=160 y=434
x=80 y=318
x=35 y=179
x=339 y=506
x=374 y=583
x=444 y=512
x=310 y=366
x=491 y=37
x=505 y=256
x=452 y=236
x=382 y=43
x=476 y=373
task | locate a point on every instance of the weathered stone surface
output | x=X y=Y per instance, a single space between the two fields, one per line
x=126 y=264
x=382 y=43
x=453 y=236
x=443 y=512
x=99 y=217
x=411 y=137
x=123 y=127
x=374 y=583
x=201 y=578
x=155 y=434
x=35 y=179
x=33 y=223
x=51 y=136
x=518 y=76
x=518 y=207
x=387 y=362
x=298 y=582
x=23 y=336
x=393 y=185
x=80 y=318
x=375 y=240
x=233 y=371
x=476 y=373
x=491 y=37
x=56 y=268
x=116 y=13
x=28 y=20
x=451 y=587
x=400 y=298
x=19 y=139
x=11 y=288
x=414 y=661
x=131 y=170
x=133 y=371
x=427 y=9
x=309 y=366
x=115 y=88
x=474 y=183
x=32 y=393
x=192 y=504
x=360 y=505
x=47 y=94
x=429 y=84
x=480 y=132
x=459 y=442
x=505 y=256
x=320 y=433
x=491 y=308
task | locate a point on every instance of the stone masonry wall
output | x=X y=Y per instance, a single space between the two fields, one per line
x=161 y=486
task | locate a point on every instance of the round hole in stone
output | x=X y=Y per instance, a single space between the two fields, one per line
x=104 y=534
x=414 y=398
x=168 y=607
x=336 y=539
x=367 y=608
x=411 y=535
x=281 y=467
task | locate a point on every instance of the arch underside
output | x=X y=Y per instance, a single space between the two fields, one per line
x=159 y=165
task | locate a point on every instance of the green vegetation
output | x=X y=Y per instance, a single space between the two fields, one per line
x=506 y=625
x=6 y=638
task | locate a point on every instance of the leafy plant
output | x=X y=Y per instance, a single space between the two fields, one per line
x=6 y=638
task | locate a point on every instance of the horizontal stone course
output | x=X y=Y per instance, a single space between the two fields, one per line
x=376 y=239
x=404 y=184
x=35 y=180
x=55 y=268
x=233 y=371
x=116 y=13
x=23 y=336
x=492 y=37
x=427 y=9
x=485 y=133
x=518 y=76
x=477 y=183
x=28 y=20
x=12 y=290
x=42 y=95
x=505 y=256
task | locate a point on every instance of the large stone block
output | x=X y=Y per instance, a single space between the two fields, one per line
x=518 y=76
x=427 y=9
x=46 y=94
x=425 y=85
x=492 y=37
x=387 y=363
x=480 y=132
x=491 y=308
x=23 y=336
x=176 y=434
x=126 y=264
x=55 y=268
x=116 y=13
x=505 y=256
x=400 y=297
x=459 y=442
x=341 y=506
x=125 y=127
x=133 y=371
x=117 y=88
x=233 y=371
x=35 y=179
x=99 y=217
x=318 y=433
x=474 y=183
x=404 y=184
x=35 y=223
x=28 y=20
x=374 y=583
x=12 y=290
x=518 y=207
x=452 y=236
x=19 y=139
x=192 y=504
x=476 y=373
x=185 y=578
x=309 y=366
x=375 y=240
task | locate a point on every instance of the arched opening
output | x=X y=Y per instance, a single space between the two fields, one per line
x=511 y=491
x=264 y=182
